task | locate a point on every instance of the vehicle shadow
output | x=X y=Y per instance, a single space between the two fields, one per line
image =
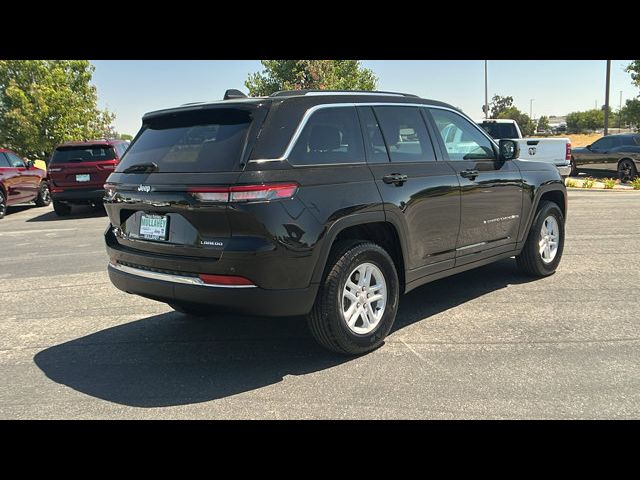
x=78 y=212
x=18 y=208
x=169 y=359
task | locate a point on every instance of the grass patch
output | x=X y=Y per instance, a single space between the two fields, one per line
x=635 y=183
x=570 y=182
x=587 y=183
x=609 y=182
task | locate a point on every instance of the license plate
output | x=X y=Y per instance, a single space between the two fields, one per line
x=83 y=178
x=154 y=227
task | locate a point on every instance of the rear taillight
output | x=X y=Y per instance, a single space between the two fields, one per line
x=109 y=189
x=225 y=280
x=568 y=156
x=245 y=193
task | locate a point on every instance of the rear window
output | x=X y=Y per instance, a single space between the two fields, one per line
x=85 y=153
x=500 y=130
x=198 y=141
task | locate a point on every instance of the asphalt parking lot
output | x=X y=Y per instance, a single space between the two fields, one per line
x=488 y=343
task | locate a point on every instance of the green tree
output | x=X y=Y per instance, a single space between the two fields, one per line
x=543 y=123
x=630 y=113
x=588 y=120
x=634 y=69
x=500 y=104
x=310 y=74
x=124 y=136
x=527 y=126
x=46 y=102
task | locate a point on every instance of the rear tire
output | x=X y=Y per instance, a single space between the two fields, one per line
x=534 y=259
x=61 y=209
x=44 y=197
x=328 y=318
x=627 y=170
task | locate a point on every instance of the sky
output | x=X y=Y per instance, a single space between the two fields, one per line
x=130 y=88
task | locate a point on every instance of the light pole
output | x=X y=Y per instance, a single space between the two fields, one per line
x=486 y=92
x=620 y=113
x=606 y=100
x=531 y=108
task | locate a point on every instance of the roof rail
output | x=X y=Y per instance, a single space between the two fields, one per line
x=310 y=92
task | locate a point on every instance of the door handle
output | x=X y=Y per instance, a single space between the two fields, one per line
x=469 y=173
x=396 y=178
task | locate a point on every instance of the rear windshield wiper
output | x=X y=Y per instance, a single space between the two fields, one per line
x=142 y=168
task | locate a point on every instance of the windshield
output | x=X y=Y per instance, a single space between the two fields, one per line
x=85 y=153
x=195 y=141
x=500 y=130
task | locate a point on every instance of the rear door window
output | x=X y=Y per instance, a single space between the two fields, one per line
x=373 y=139
x=85 y=153
x=405 y=134
x=210 y=140
x=331 y=135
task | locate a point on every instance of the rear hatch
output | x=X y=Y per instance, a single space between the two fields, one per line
x=169 y=194
x=81 y=166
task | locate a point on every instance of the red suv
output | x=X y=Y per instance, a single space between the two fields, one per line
x=79 y=170
x=21 y=182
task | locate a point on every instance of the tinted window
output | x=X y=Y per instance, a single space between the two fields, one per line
x=332 y=135
x=374 y=141
x=500 y=130
x=603 y=144
x=4 y=161
x=405 y=134
x=462 y=140
x=85 y=153
x=196 y=141
x=15 y=160
x=636 y=140
x=630 y=140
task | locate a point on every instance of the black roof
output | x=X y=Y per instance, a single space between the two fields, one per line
x=305 y=99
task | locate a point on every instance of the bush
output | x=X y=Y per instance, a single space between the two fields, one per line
x=609 y=182
x=570 y=182
x=587 y=183
x=635 y=183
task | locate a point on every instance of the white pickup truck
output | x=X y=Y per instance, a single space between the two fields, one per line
x=550 y=150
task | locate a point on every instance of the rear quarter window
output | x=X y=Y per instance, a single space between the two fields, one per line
x=331 y=135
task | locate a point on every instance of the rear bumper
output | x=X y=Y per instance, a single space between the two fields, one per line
x=565 y=170
x=79 y=195
x=247 y=301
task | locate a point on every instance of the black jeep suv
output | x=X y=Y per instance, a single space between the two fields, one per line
x=324 y=204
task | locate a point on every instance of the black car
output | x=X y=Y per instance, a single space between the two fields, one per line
x=324 y=204
x=618 y=154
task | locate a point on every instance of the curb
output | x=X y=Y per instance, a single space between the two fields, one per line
x=593 y=189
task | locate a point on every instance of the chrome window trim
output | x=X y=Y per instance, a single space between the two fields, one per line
x=167 y=277
x=320 y=106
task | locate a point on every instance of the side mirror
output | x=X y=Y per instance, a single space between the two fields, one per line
x=29 y=163
x=588 y=147
x=509 y=149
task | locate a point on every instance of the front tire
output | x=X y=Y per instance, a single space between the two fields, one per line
x=627 y=170
x=44 y=197
x=61 y=209
x=574 y=169
x=542 y=251
x=3 y=204
x=357 y=301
